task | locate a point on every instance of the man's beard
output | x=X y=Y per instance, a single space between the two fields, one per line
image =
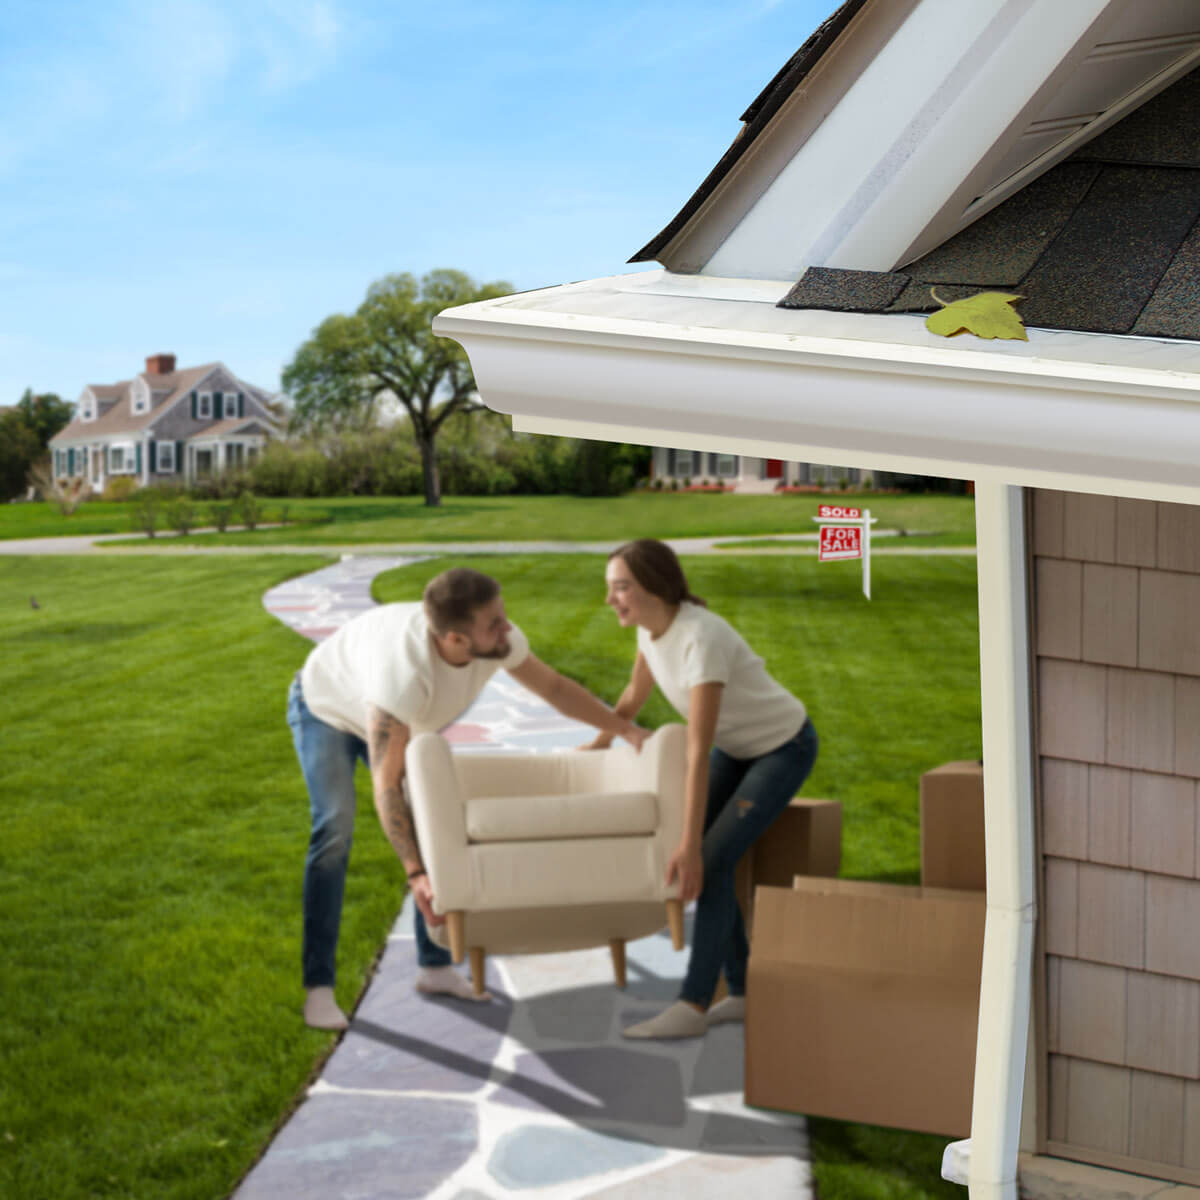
x=500 y=650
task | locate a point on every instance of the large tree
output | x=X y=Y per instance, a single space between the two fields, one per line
x=45 y=413
x=19 y=449
x=340 y=377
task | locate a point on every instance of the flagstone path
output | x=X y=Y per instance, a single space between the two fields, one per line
x=535 y=1093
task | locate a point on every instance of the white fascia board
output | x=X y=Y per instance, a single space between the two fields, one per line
x=1126 y=423
x=946 y=88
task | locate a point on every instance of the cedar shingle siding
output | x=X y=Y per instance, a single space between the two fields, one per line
x=1116 y=595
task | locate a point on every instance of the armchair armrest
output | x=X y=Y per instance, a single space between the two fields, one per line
x=439 y=814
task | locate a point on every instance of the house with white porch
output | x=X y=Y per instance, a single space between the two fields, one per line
x=166 y=424
x=749 y=473
x=1049 y=150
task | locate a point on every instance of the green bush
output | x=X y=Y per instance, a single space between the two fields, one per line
x=120 y=487
x=249 y=509
x=181 y=514
x=147 y=508
x=220 y=514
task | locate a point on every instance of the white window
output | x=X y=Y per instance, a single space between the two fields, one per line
x=81 y=456
x=231 y=404
x=166 y=458
x=233 y=454
x=86 y=412
x=116 y=458
x=141 y=397
x=204 y=406
x=685 y=464
x=726 y=465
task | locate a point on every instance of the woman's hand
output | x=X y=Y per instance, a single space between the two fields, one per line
x=687 y=866
x=422 y=894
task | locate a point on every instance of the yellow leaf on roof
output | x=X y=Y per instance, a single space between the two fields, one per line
x=987 y=315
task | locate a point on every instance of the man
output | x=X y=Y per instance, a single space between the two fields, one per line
x=393 y=672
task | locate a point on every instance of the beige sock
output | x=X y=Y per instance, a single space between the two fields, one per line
x=446 y=981
x=731 y=1008
x=321 y=1010
x=679 y=1021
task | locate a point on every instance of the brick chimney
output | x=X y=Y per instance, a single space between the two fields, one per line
x=160 y=364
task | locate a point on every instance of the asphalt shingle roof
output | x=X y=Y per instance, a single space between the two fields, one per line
x=1107 y=241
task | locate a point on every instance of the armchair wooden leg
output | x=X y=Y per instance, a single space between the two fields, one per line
x=456 y=927
x=675 y=922
x=477 y=970
x=616 y=947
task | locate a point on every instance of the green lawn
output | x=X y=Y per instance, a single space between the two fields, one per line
x=364 y=520
x=152 y=833
x=154 y=825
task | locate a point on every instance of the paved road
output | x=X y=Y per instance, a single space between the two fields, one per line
x=693 y=545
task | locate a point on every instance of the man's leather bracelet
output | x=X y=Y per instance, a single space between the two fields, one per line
x=416 y=874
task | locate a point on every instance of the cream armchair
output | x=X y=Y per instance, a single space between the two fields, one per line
x=529 y=853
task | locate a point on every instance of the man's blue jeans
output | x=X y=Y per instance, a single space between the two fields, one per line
x=744 y=796
x=328 y=758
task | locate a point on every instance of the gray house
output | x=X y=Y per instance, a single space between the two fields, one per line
x=164 y=425
x=750 y=474
x=1043 y=148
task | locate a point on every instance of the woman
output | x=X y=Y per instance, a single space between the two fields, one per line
x=750 y=747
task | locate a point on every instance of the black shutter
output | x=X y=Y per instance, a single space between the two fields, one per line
x=152 y=446
x=195 y=406
x=241 y=404
x=217 y=410
x=139 y=458
x=178 y=458
x=670 y=462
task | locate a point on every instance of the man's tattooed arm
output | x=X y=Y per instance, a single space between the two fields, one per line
x=386 y=742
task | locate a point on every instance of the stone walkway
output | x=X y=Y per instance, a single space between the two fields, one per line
x=535 y=1093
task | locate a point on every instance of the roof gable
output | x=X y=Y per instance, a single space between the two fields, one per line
x=1004 y=91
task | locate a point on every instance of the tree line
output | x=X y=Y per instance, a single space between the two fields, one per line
x=25 y=432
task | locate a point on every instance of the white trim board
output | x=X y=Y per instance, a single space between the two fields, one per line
x=651 y=358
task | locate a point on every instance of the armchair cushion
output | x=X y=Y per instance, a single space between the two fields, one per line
x=580 y=815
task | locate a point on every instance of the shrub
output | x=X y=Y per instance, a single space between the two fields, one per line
x=66 y=494
x=221 y=512
x=250 y=510
x=120 y=487
x=658 y=485
x=181 y=514
x=147 y=508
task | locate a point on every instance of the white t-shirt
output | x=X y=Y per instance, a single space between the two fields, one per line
x=757 y=714
x=386 y=658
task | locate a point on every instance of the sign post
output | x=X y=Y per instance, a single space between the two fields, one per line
x=846 y=533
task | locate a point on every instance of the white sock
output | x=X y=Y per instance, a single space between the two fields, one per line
x=679 y=1021
x=446 y=981
x=731 y=1008
x=321 y=1010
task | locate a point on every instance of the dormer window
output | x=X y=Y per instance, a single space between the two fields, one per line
x=85 y=412
x=204 y=406
x=231 y=404
x=141 y=397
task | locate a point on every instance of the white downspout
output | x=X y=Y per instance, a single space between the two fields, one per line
x=989 y=1160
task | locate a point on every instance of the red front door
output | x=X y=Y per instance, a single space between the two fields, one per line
x=774 y=468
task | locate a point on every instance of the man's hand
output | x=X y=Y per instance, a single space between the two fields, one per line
x=687 y=866
x=635 y=735
x=422 y=894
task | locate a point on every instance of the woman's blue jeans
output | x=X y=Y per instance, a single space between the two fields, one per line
x=328 y=758
x=744 y=796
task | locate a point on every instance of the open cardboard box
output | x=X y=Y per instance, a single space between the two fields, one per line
x=863 y=1002
x=805 y=839
x=953 y=853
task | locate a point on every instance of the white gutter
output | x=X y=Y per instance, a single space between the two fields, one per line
x=936 y=410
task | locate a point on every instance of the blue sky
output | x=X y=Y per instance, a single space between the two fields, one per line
x=214 y=178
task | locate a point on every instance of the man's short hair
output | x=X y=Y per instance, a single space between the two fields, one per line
x=452 y=598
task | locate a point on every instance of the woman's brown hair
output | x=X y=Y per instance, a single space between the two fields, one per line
x=654 y=565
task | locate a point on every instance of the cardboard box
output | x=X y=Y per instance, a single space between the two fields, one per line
x=952 y=837
x=863 y=1003
x=805 y=839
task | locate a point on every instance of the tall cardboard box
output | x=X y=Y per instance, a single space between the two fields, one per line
x=863 y=1003
x=805 y=839
x=952 y=837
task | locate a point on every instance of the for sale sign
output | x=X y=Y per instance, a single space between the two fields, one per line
x=839 y=541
